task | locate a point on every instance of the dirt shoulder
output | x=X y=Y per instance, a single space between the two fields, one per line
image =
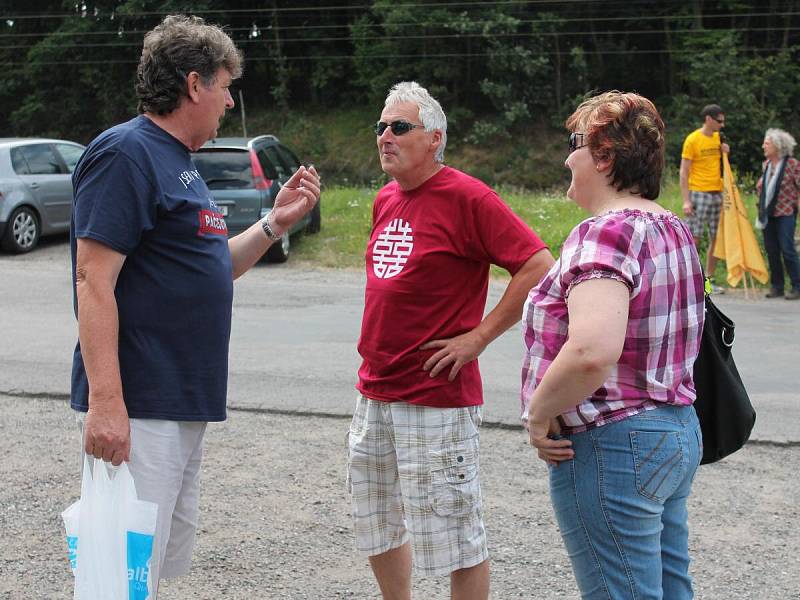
x=275 y=519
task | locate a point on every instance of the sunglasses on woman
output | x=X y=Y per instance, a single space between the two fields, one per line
x=397 y=127
x=576 y=141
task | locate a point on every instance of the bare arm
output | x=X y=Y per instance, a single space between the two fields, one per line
x=686 y=165
x=247 y=247
x=464 y=348
x=297 y=197
x=598 y=319
x=106 y=431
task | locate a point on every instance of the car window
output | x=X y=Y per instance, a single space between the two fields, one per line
x=41 y=159
x=281 y=168
x=224 y=169
x=70 y=153
x=19 y=163
x=288 y=157
x=267 y=165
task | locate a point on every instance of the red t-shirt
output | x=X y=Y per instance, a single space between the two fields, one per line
x=427 y=278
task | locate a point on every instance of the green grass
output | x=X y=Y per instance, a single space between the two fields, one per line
x=341 y=144
x=346 y=223
x=347 y=218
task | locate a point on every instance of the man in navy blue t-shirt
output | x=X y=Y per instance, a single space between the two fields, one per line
x=153 y=273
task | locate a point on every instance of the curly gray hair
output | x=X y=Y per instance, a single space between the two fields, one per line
x=782 y=140
x=179 y=45
x=430 y=111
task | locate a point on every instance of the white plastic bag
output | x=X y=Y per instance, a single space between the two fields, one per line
x=70 y=517
x=110 y=535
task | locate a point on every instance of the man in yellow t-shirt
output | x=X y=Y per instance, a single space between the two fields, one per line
x=701 y=178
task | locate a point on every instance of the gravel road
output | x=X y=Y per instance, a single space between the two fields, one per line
x=275 y=519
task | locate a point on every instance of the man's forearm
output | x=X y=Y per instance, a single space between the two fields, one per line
x=508 y=311
x=247 y=248
x=683 y=180
x=98 y=331
x=684 y=185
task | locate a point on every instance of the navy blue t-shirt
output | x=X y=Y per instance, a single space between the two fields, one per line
x=138 y=192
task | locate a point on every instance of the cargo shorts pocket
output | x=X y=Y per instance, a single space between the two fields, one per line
x=455 y=488
x=658 y=459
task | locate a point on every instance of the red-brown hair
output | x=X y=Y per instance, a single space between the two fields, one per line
x=625 y=129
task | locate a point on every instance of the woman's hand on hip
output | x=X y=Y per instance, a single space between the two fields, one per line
x=545 y=437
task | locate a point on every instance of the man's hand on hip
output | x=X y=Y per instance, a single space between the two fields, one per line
x=456 y=351
x=107 y=433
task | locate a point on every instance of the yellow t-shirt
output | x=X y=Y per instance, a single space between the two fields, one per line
x=704 y=152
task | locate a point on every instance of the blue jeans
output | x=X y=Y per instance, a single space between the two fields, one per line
x=779 y=240
x=620 y=504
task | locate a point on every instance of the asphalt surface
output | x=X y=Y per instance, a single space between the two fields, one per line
x=293 y=344
x=274 y=514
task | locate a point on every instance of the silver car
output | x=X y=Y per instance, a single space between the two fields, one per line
x=35 y=189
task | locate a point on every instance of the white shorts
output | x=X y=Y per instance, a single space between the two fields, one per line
x=165 y=465
x=412 y=472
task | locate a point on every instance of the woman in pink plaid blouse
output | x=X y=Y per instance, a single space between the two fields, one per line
x=612 y=333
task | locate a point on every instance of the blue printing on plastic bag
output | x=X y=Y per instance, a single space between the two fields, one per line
x=140 y=549
x=72 y=546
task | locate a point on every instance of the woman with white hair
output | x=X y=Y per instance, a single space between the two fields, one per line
x=778 y=195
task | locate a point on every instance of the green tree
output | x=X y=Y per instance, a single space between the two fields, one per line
x=76 y=77
x=756 y=91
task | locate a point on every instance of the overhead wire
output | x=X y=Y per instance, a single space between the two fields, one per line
x=346 y=7
x=265 y=39
x=526 y=34
x=558 y=20
x=431 y=56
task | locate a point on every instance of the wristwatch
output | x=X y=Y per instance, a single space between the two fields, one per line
x=267 y=227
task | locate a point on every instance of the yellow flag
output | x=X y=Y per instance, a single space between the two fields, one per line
x=736 y=241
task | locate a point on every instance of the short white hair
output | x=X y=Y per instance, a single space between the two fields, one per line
x=782 y=140
x=430 y=111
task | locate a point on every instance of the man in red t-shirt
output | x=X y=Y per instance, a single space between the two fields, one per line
x=413 y=442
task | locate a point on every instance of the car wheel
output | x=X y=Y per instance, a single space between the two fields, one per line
x=315 y=224
x=279 y=251
x=22 y=231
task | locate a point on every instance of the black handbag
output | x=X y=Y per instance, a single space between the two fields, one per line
x=723 y=406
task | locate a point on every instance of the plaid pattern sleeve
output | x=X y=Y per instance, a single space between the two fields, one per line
x=655 y=257
x=789 y=192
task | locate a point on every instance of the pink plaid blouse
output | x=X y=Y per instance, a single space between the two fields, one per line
x=654 y=255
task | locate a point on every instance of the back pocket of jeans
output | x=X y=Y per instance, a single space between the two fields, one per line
x=658 y=460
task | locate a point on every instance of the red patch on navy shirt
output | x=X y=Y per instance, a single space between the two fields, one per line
x=212 y=222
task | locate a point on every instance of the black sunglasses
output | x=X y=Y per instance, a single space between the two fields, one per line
x=576 y=141
x=720 y=121
x=397 y=127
